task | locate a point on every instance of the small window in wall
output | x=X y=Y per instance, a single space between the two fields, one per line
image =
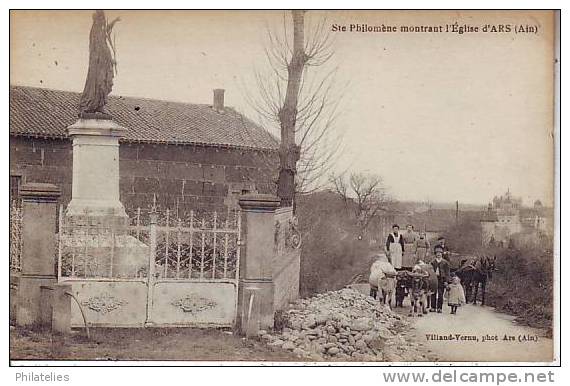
x=15 y=182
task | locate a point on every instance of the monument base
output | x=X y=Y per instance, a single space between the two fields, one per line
x=95 y=236
x=96 y=213
x=95 y=115
x=95 y=252
x=95 y=187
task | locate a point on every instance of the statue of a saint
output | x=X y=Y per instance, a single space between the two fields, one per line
x=102 y=68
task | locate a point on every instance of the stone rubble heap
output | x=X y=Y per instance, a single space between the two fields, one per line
x=345 y=325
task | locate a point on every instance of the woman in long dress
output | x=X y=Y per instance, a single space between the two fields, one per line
x=422 y=248
x=395 y=247
x=410 y=238
x=102 y=63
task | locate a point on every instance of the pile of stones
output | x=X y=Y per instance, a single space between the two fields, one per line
x=345 y=325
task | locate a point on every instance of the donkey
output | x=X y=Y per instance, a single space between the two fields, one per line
x=403 y=283
x=419 y=287
x=474 y=273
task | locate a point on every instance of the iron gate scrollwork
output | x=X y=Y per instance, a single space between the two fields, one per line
x=158 y=265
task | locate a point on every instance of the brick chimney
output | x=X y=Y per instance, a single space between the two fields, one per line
x=218 y=99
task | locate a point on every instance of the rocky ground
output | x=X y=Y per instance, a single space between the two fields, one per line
x=345 y=325
x=342 y=326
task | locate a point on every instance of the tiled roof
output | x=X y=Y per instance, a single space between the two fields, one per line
x=40 y=112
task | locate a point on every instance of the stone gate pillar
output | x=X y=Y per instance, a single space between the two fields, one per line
x=255 y=301
x=39 y=248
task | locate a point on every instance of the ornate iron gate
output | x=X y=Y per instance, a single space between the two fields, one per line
x=15 y=237
x=157 y=271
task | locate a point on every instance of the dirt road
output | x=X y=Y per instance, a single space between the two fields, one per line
x=489 y=329
x=478 y=333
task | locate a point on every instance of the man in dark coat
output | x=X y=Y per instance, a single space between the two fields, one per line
x=441 y=268
x=444 y=249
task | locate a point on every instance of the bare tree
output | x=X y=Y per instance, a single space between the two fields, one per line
x=301 y=101
x=364 y=195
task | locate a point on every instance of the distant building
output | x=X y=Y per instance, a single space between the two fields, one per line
x=538 y=218
x=505 y=218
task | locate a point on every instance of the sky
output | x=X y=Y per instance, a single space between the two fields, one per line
x=440 y=116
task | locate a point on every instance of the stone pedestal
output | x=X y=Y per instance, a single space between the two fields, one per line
x=255 y=302
x=95 y=186
x=39 y=249
x=95 y=215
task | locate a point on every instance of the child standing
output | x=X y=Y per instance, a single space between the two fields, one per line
x=456 y=295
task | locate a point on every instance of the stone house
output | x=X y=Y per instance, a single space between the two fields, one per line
x=185 y=156
x=501 y=220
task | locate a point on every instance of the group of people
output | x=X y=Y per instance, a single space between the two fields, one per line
x=406 y=249
x=409 y=249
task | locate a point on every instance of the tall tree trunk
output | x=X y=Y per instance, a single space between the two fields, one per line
x=289 y=152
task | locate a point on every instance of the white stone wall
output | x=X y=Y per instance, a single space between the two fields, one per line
x=286 y=260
